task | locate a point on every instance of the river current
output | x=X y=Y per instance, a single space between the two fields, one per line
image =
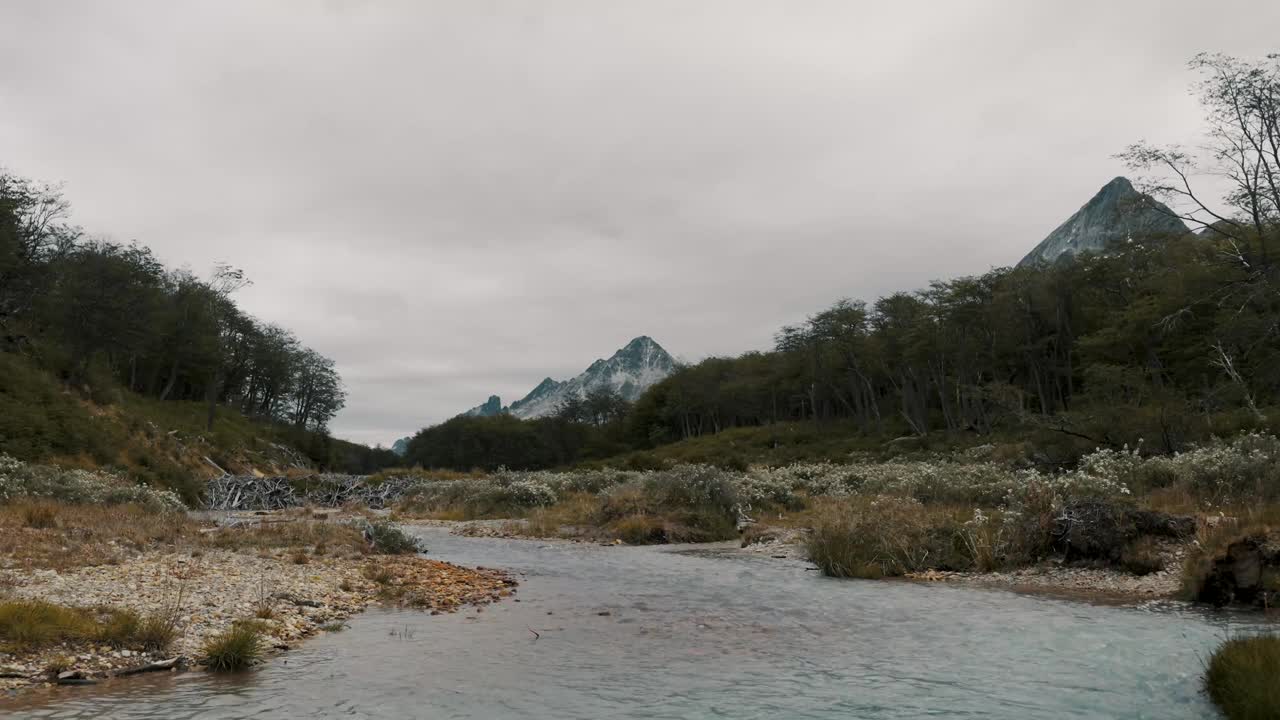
x=675 y=632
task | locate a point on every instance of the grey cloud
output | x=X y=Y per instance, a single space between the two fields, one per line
x=454 y=199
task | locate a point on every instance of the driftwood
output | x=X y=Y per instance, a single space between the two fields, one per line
x=248 y=492
x=74 y=677
x=178 y=663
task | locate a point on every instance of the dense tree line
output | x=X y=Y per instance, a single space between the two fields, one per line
x=588 y=427
x=1167 y=339
x=1160 y=338
x=104 y=314
x=1136 y=343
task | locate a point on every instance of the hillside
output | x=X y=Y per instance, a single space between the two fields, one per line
x=163 y=443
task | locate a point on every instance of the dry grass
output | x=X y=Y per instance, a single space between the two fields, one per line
x=275 y=533
x=45 y=534
x=575 y=510
x=888 y=536
x=639 y=529
x=379 y=573
x=40 y=534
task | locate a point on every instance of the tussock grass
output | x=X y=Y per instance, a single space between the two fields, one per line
x=236 y=648
x=31 y=624
x=27 y=625
x=1243 y=678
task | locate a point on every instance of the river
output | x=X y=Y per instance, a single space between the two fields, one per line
x=675 y=632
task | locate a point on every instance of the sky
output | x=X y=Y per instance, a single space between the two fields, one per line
x=458 y=199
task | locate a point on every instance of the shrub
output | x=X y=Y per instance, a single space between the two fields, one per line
x=79 y=487
x=236 y=648
x=388 y=539
x=1241 y=677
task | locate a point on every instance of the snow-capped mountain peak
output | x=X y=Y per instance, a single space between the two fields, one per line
x=629 y=372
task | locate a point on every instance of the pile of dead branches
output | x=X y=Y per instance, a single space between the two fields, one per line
x=248 y=492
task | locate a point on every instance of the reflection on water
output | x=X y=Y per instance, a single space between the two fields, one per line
x=657 y=633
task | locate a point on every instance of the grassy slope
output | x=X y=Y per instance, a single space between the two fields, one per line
x=159 y=443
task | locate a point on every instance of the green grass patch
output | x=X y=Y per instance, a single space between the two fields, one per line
x=1243 y=678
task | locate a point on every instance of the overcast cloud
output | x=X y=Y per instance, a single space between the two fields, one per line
x=454 y=199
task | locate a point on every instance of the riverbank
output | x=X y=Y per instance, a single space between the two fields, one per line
x=292 y=574
x=1051 y=577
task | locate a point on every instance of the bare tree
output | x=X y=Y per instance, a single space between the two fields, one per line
x=1241 y=100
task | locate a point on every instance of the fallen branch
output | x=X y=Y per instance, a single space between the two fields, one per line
x=170 y=664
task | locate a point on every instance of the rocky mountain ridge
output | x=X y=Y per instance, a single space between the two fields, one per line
x=1116 y=214
x=630 y=371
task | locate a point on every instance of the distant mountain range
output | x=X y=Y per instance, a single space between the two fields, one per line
x=629 y=372
x=1116 y=213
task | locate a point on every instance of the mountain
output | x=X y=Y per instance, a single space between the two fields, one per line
x=401 y=446
x=629 y=372
x=488 y=408
x=1117 y=213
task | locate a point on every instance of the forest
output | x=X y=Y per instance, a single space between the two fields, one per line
x=1160 y=340
x=112 y=324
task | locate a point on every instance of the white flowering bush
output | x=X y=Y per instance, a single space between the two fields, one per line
x=1247 y=466
x=19 y=479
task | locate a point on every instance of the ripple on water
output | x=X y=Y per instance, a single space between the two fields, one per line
x=705 y=635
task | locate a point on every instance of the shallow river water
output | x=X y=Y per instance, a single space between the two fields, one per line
x=665 y=632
